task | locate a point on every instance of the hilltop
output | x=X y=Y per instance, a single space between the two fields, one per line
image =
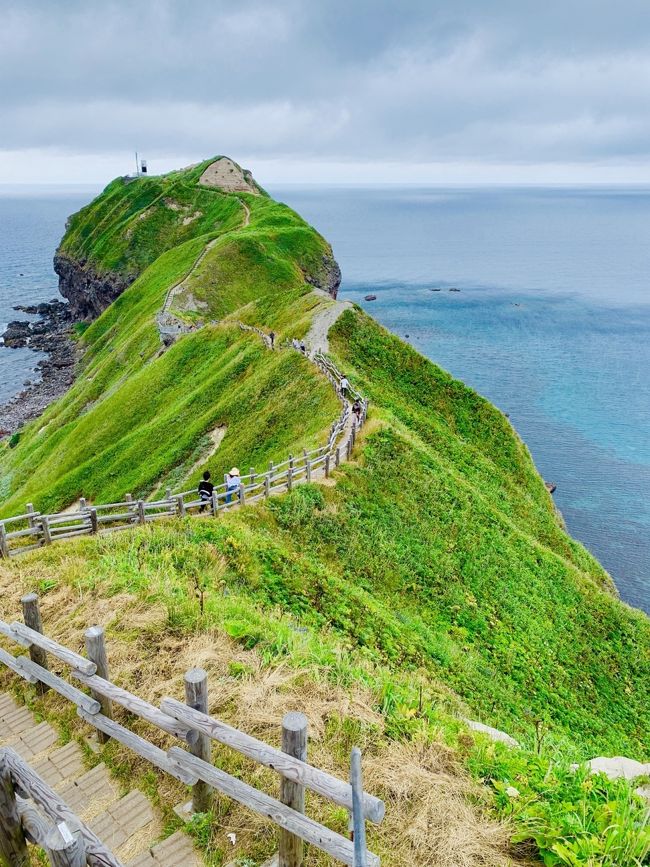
x=433 y=581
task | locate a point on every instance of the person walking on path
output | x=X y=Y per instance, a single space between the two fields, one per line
x=303 y=348
x=233 y=482
x=345 y=385
x=272 y=339
x=356 y=409
x=205 y=490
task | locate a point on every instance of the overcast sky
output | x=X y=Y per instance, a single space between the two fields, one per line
x=460 y=91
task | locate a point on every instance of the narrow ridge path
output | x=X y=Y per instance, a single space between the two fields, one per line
x=126 y=825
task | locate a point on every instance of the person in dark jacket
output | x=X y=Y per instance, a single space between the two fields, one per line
x=205 y=491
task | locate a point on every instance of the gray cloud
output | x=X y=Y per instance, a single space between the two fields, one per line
x=508 y=82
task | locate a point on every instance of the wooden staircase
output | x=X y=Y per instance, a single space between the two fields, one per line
x=126 y=825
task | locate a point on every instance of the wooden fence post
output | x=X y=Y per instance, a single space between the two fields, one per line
x=290 y=462
x=242 y=494
x=30 y=512
x=180 y=505
x=196 y=696
x=4 y=545
x=65 y=848
x=32 y=618
x=142 y=519
x=290 y=478
x=348 y=448
x=267 y=485
x=251 y=472
x=94 y=524
x=45 y=525
x=327 y=465
x=96 y=652
x=308 y=465
x=337 y=456
x=82 y=504
x=294 y=742
x=13 y=847
x=215 y=503
x=359 y=822
x=168 y=493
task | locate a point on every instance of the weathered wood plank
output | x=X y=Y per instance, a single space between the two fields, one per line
x=12 y=663
x=76 y=696
x=65 y=848
x=360 y=851
x=137 y=706
x=55 y=808
x=33 y=621
x=287 y=766
x=139 y=745
x=13 y=847
x=309 y=830
x=96 y=652
x=196 y=696
x=7 y=631
x=74 y=660
x=294 y=743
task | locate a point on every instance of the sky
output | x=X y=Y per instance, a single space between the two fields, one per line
x=328 y=91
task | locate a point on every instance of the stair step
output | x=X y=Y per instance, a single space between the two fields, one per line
x=35 y=741
x=175 y=851
x=91 y=794
x=61 y=765
x=15 y=721
x=121 y=820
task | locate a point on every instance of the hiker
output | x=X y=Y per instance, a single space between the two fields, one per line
x=303 y=348
x=356 y=409
x=345 y=384
x=233 y=483
x=295 y=343
x=205 y=490
x=272 y=339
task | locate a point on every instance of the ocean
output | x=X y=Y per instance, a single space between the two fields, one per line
x=32 y=221
x=551 y=323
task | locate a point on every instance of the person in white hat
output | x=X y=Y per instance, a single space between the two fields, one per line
x=233 y=481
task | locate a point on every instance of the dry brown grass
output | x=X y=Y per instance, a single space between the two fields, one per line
x=434 y=814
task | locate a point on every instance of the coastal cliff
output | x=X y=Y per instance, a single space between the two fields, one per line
x=428 y=581
x=87 y=292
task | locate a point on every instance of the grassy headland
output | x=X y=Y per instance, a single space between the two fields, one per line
x=435 y=577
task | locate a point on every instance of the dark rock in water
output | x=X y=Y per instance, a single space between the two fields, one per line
x=51 y=334
x=435 y=290
x=454 y=289
x=551 y=487
x=369 y=297
x=407 y=336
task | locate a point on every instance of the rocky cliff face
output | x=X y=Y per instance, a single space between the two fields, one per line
x=89 y=293
x=329 y=277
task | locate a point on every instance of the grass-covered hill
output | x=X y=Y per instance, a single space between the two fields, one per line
x=434 y=580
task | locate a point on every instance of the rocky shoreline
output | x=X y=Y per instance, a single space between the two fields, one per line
x=50 y=333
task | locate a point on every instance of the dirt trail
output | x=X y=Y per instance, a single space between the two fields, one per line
x=317 y=340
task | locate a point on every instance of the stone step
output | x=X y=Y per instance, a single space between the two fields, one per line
x=34 y=742
x=15 y=721
x=91 y=794
x=61 y=765
x=122 y=820
x=175 y=851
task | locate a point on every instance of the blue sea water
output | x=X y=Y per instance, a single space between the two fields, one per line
x=552 y=324
x=32 y=221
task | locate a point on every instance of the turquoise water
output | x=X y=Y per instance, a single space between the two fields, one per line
x=552 y=324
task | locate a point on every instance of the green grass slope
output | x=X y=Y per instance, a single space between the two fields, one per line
x=436 y=572
x=138 y=417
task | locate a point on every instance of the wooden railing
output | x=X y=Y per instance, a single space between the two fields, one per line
x=191 y=725
x=31 y=530
x=67 y=841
